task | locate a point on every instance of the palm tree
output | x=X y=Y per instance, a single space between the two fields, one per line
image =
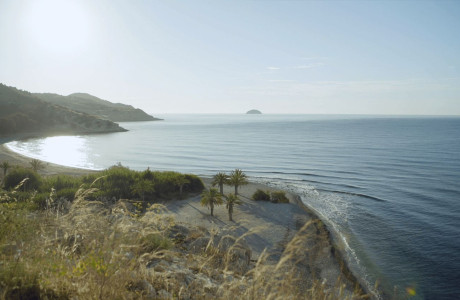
x=181 y=181
x=5 y=166
x=210 y=198
x=237 y=178
x=232 y=200
x=37 y=165
x=220 y=179
x=143 y=186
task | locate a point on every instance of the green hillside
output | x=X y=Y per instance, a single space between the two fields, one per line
x=22 y=112
x=85 y=103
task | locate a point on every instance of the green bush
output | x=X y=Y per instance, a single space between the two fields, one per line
x=117 y=182
x=154 y=242
x=17 y=283
x=60 y=182
x=147 y=174
x=67 y=193
x=260 y=195
x=195 y=184
x=166 y=184
x=16 y=175
x=279 y=197
x=40 y=199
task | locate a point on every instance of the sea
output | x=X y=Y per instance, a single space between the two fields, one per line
x=388 y=187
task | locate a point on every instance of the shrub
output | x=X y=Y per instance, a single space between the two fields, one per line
x=117 y=182
x=60 y=182
x=40 y=199
x=120 y=182
x=279 y=197
x=260 y=195
x=18 y=174
x=166 y=183
x=17 y=283
x=195 y=184
x=67 y=193
x=154 y=242
x=65 y=186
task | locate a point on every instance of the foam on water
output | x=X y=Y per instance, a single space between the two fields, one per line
x=333 y=209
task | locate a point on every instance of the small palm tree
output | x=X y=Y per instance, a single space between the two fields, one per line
x=181 y=181
x=232 y=200
x=211 y=198
x=37 y=165
x=220 y=179
x=238 y=178
x=5 y=166
x=143 y=186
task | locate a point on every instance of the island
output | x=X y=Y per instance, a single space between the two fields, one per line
x=254 y=112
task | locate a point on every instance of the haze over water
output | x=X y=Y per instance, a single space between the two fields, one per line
x=387 y=186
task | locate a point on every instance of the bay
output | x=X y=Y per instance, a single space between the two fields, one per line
x=388 y=187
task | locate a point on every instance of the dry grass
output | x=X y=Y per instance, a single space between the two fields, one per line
x=95 y=250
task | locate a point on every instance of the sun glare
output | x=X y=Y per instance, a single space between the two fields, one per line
x=59 y=27
x=64 y=150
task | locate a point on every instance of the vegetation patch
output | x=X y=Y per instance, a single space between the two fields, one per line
x=275 y=197
x=279 y=197
x=154 y=242
x=18 y=174
x=261 y=195
x=112 y=184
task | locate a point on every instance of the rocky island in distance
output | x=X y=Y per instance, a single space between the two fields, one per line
x=254 y=112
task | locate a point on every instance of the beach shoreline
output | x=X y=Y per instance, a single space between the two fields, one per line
x=16 y=159
x=297 y=207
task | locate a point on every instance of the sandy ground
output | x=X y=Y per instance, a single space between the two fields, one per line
x=273 y=224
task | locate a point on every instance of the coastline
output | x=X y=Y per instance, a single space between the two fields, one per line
x=15 y=158
x=337 y=252
x=278 y=238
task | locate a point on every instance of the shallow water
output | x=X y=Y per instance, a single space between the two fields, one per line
x=388 y=186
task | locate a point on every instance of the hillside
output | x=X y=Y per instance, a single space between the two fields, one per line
x=85 y=103
x=21 y=112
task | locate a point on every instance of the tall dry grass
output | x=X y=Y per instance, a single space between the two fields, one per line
x=92 y=249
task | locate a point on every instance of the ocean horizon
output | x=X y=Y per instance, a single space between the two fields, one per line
x=386 y=186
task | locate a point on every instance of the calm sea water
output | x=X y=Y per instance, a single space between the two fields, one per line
x=388 y=187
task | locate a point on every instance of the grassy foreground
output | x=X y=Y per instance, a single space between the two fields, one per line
x=110 y=239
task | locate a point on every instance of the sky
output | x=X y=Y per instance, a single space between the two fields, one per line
x=311 y=57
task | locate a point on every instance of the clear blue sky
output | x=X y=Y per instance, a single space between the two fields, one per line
x=361 y=57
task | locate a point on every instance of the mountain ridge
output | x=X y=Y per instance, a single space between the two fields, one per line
x=21 y=112
x=87 y=103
